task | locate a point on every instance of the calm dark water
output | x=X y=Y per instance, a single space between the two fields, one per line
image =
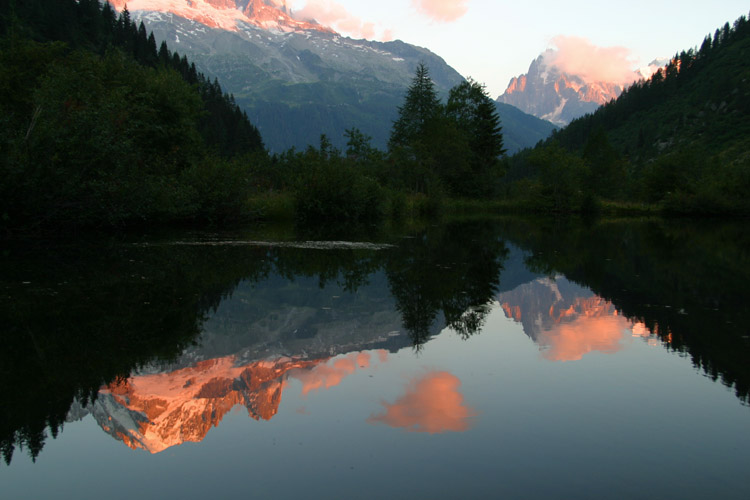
x=506 y=358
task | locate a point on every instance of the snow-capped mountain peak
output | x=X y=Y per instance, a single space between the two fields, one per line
x=647 y=72
x=226 y=14
x=550 y=93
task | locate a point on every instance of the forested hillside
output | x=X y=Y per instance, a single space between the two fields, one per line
x=521 y=130
x=680 y=140
x=101 y=127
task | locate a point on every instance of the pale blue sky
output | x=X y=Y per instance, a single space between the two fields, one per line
x=496 y=40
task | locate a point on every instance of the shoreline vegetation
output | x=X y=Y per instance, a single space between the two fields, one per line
x=103 y=130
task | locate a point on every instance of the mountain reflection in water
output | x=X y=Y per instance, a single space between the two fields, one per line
x=157 y=411
x=158 y=342
x=568 y=321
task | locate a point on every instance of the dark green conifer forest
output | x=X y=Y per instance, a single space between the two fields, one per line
x=101 y=128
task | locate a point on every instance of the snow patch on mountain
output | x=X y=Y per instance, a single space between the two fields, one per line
x=647 y=72
x=556 y=115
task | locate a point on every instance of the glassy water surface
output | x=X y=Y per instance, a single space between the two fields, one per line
x=516 y=358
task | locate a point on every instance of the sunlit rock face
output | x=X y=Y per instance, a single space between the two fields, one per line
x=160 y=410
x=568 y=321
x=225 y=14
x=550 y=94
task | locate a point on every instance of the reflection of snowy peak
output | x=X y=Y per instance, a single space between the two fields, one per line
x=155 y=412
x=544 y=302
x=566 y=320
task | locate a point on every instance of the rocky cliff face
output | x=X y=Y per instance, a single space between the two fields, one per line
x=227 y=14
x=159 y=410
x=552 y=95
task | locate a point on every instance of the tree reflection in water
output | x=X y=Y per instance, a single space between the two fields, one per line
x=78 y=317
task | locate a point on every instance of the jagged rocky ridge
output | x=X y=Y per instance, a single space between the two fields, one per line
x=551 y=94
x=547 y=93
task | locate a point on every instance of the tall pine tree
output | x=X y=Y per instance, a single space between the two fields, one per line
x=421 y=105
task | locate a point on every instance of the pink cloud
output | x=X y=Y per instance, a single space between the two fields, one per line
x=336 y=16
x=444 y=11
x=585 y=334
x=578 y=56
x=332 y=373
x=431 y=404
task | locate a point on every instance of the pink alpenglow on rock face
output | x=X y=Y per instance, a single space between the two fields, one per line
x=225 y=14
x=573 y=77
x=432 y=404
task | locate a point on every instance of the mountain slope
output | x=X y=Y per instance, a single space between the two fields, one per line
x=100 y=128
x=297 y=85
x=298 y=80
x=521 y=130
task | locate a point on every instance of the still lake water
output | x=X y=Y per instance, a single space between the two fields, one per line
x=507 y=358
